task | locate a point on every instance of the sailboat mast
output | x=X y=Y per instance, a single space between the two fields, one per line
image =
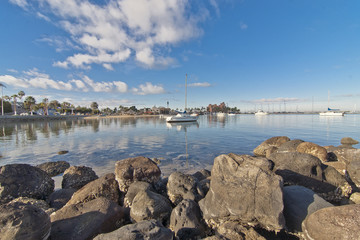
x=185 y=92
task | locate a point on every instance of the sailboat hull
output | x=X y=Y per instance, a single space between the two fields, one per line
x=331 y=113
x=182 y=118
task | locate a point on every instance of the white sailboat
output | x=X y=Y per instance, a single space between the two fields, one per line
x=183 y=117
x=331 y=112
x=261 y=113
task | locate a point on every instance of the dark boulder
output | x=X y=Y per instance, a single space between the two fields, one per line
x=35 y=202
x=54 y=168
x=342 y=222
x=271 y=142
x=289 y=146
x=353 y=169
x=182 y=186
x=186 y=218
x=131 y=170
x=148 y=205
x=20 y=221
x=60 y=197
x=86 y=220
x=202 y=174
x=106 y=187
x=134 y=189
x=145 y=230
x=23 y=180
x=300 y=202
x=243 y=191
x=78 y=176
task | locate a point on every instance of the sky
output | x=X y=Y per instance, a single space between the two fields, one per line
x=270 y=54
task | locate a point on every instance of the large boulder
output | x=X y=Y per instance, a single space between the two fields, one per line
x=259 y=189
x=301 y=169
x=149 y=230
x=186 y=218
x=42 y=204
x=149 y=205
x=60 y=197
x=342 y=222
x=271 y=142
x=133 y=191
x=353 y=169
x=131 y=170
x=300 y=202
x=86 y=220
x=20 y=221
x=289 y=146
x=106 y=187
x=313 y=149
x=348 y=141
x=23 y=180
x=182 y=186
x=54 y=168
x=346 y=155
x=78 y=176
x=332 y=176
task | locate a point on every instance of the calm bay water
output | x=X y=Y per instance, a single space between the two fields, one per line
x=99 y=143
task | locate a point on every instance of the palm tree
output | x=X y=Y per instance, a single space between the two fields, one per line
x=14 y=97
x=2 y=98
x=29 y=102
x=45 y=103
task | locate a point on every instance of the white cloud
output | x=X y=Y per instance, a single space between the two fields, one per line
x=148 y=88
x=108 y=66
x=203 y=84
x=243 y=26
x=119 y=29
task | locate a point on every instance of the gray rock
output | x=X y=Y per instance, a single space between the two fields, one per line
x=86 y=220
x=341 y=222
x=60 y=197
x=134 y=189
x=289 y=146
x=346 y=155
x=203 y=187
x=78 y=176
x=301 y=169
x=332 y=176
x=54 y=168
x=202 y=174
x=131 y=170
x=35 y=202
x=23 y=180
x=149 y=205
x=20 y=221
x=348 y=141
x=260 y=191
x=186 y=218
x=233 y=230
x=313 y=149
x=300 y=202
x=145 y=230
x=271 y=142
x=106 y=187
x=353 y=169
x=182 y=186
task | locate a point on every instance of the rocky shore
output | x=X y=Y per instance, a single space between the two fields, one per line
x=289 y=189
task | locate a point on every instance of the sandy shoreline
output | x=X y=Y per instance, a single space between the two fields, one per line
x=18 y=118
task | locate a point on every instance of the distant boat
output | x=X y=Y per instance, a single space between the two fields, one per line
x=231 y=114
x=184 y=116
x=221 y=114
x=261 y=113
x=331 y=112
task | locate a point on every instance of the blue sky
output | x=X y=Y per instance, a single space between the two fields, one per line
x=249 y=54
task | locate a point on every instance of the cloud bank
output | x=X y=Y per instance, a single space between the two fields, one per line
x=113 y=31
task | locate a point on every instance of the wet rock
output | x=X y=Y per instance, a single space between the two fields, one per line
x=131 y=170
x=348 y=141
x=23 y=180
x=86 y=220
x=271 y=142
x=150 y=230
x=78 y=176
x=35 y=202
x=289 y=146
x=60 y=197
x=300 y=202
x=54 y=168
x=20 y=221
x=301 y=169
x=186 y=219
x=353 y=169
x=259 y=189
x=149 y=205
x=134 y=189
x=106 y=187
x=341 y=222
x=313 y=149
x=182 y=186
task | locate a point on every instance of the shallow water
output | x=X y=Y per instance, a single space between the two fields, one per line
x=189 y=147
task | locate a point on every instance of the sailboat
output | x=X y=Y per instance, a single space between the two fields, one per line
x=183 y=117
x=331 y=112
